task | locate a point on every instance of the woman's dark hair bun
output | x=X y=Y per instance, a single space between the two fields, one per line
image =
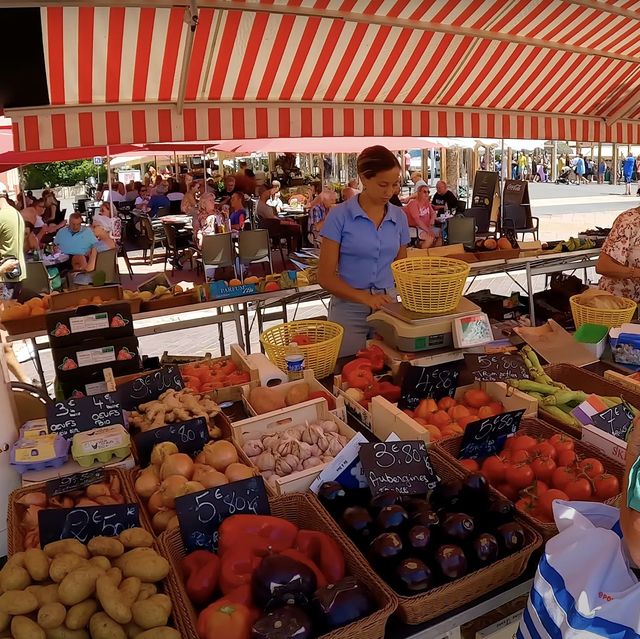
x=376 y=159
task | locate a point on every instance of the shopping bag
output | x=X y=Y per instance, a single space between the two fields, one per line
x=584 y=587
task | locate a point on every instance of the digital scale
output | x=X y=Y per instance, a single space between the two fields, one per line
x=410 y=332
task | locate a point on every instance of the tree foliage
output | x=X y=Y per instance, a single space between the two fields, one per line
x=50 y=174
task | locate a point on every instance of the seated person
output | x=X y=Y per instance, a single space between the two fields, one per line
x=175 y=194
x=77 y=241
x=228 y=189
x=31 y=242
x=133 y=191
x=422 y=216
x=350 y=190
x=110 y=219
x=286 y=228
x=238 y=214
x=159 y=200
x=101 y=229
x=318 y=213
x=142 y=201
x=443 y=199
x=274 y=196
x=33 y=213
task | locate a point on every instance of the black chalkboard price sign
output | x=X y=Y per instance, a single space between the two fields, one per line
x=496 y=367
x=190 y=438
x=149 y=387
x=486 y=436
x=86 y=523
x=85 y=413
x=62 y=485
x=420 y=382
x=200 y=514
x=615 y=420
x=402 y=466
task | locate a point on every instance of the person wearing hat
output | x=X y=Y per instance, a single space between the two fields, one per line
x=422 y=216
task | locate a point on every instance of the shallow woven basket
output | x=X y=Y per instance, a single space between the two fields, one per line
x=611 y=318
x=15 y=536
x=430 y=284
x=450 y=448
x=307 y=513
x=320 y=356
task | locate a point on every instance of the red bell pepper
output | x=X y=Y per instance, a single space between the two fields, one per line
x=375 y=355
x=237 y=566
x=260 y=533
x=201 y=570
x=227 y=619
x=389 y=391
x=358 y=374
x=298 y=555
x=324 y=551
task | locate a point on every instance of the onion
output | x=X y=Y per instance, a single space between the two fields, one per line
x=155 y=503
x=210 y=478
x=220 y=454
x=106 y=500
x=97 y=490
x=237 y=471
x=33 y=499
x=161 y=519
x=30 y=519
x=200 y=458
x=178 y=464
x=85 y=501
x=161 y=451
x=189 y=487
x=173 y=523
x=146 y=484
x=169 y=489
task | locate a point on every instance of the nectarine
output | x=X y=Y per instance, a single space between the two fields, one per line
x=440 y=419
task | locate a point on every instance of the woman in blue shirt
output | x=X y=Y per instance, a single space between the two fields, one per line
x=361 y=238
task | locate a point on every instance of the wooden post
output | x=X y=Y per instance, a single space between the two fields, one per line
x=614 y=165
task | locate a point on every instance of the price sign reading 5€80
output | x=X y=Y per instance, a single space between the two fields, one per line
x=486 y=436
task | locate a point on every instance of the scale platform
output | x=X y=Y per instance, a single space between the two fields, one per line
x=411 y=332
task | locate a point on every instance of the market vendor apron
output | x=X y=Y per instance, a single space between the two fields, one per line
x=353 y=318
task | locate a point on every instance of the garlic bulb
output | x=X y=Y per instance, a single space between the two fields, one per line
x=304 y=451
x=315 y=451
x=312 y=462
x=311 y=434
x=334 y=447
x=253 y=447
x=265 y=461
x=289 y=447
x=326 y=459
x=270 y=441
x=283 y=467
x=329 y=426
x=322 y=443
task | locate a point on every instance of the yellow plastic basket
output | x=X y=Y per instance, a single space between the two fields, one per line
x=430 y=284
x=611 y=318
x=320 y=356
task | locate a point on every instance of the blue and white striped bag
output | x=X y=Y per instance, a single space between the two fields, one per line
x=583 y=588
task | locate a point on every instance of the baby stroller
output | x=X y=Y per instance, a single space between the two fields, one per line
x=568 y=176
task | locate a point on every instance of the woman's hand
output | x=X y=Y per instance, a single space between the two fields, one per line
x=376 y=302
x=9 y=265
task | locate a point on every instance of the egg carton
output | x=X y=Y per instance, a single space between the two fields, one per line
x=60 y=448
x=102 y=457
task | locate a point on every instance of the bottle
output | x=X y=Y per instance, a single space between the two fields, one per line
x=294 y=357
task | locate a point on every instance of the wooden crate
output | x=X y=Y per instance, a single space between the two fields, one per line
x=69 y=299
x=33 y=324
x=626 y=381
x=387 y=418
x=282 y=389
x=312 y=411
x=359 y=412
x=171 y=301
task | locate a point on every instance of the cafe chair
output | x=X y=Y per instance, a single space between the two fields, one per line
x=150 y=237
x=174 y=207
x=461 y=230
x=163 y=210
x=122 y=252
x=105 y=272
x=484 y=226
x=514 y=220
x=274 y=229
x=218 y=251
x=176 y=246
x=37 y=278
x=254 y=247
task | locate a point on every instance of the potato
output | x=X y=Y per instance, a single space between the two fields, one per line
x=115 y=574
x=5 y=620
x=63 y=564
x=105 y=546
x=100 y=562
x=66 y=545
x=139 y=554
x=130 y=589
x=14 y=578
x=47 y=594
x=146 y=590
x=62 y=632
x=132 y=630
x=37 y=564
x=112 y=600
x=136 y=538
x=160 y=633
x=24 y=628
x=102 y=626
x=51 y=615
x=78 y=616
x=78 y=585
x=18 y=602
x=152 y=612
x=16 y=560
x=147 y=566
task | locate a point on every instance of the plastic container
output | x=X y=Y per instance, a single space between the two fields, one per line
x=593 y=337
x=294 y=358
x=100 y=445
x=50 y=451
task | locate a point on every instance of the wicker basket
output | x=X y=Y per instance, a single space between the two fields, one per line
x=430 y=284
x=15 y=537
x=305 y=513
x=611 y=318
x=450 y=448
x=320 y=356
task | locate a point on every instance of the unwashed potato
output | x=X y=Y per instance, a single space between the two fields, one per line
x=25 y=628
x=146 y=564
x=160 y=633
x=37 y=564
x=105 y=547
x=18 y=602
x=152 y=612
x=115 y=574
x=66 y=545
x=100 y=562
x=102 y=626
x=45 y=594
x=14 y=578
x=5 y=620
x=78 y=616
x=130 y=589
x=132 y=630
x=62 y=632
x=51 y=615
x=146 y=590
x=136 y=538
x=78 y=585
x=112 y=600
x=16 y=560
x=63 y=563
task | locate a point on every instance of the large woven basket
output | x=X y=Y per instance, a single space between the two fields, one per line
x=307 y=513
x=611 y=318
x=15 y=535
x=320 y=356
x=438 y=601
x=450 y=449
x=430 y=284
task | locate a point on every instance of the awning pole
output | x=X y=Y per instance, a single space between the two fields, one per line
x=109 y=172
x=204 y=167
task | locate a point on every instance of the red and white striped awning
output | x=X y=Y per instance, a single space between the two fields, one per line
x=562 y=69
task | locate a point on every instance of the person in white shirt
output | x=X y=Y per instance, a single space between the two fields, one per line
x=142 y=201
x=274 y=199
x=113 y=195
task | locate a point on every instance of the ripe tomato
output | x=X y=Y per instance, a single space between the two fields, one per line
x=562 y=476
x=508 y=443
x=508 y=491
x=522 y=442
x=520 y=456
x=562 y=442
x=545 y=449
x=543 y=468
x=566 y=457
x=519 y=475
x=538 y=488
x=606 y=487
x=493 y=468
x=526 y=505
x=470 y=464
x=593 y=467
x=579 y=489
x=545 y=502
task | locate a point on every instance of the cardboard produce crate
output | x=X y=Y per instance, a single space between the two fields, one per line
x=312 y=411
x=73 y=298
x=387 y=418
